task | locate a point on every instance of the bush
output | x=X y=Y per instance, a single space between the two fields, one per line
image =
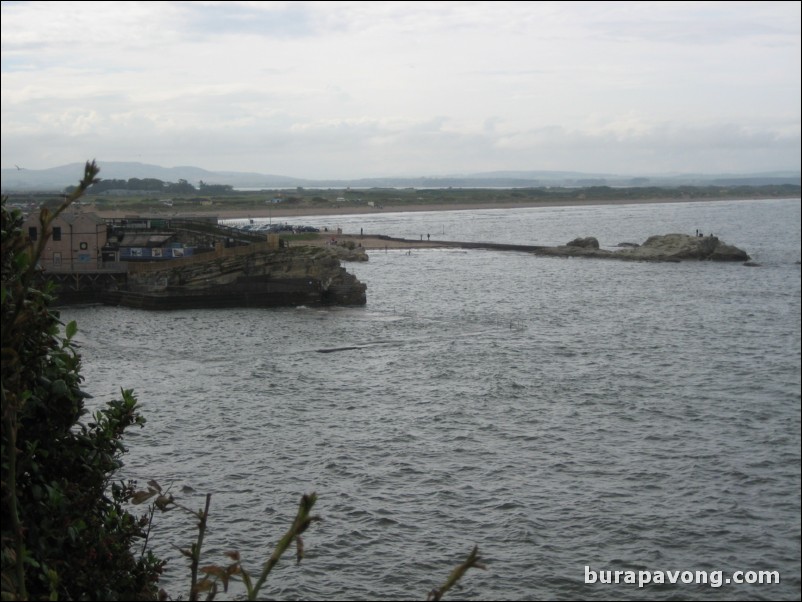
x=65 y=531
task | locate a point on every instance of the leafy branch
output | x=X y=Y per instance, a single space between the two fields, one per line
x=19 y=264
x=214 y=574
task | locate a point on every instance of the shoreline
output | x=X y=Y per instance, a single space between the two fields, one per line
x=283 y=212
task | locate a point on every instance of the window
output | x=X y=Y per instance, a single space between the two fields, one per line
x=32 y=232
x=56 y=233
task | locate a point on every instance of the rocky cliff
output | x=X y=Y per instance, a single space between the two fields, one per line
x=253 y=276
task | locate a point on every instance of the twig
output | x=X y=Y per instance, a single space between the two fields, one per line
x=471 y=562
x=299 y=525
x=196 y=548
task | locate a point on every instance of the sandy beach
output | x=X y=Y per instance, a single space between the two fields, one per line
x=360 y=209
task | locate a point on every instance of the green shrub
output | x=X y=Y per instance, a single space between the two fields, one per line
x=65 y=531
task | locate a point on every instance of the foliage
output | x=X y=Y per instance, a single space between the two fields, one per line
x=65 y=531
x=142 y=184
x=215 y=575
x=215 y=188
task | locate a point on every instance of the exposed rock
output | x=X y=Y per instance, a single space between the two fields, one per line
x=253 y=277
x=633 y=245
x=349 y=252
x=585 y=243
x=668 y=247
x=685 y=246
x=724 y=252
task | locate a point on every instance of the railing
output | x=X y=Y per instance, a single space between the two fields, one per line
x=147 y=224
x=107 y=267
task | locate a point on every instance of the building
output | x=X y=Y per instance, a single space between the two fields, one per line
x=85 y=243
x=76 y=242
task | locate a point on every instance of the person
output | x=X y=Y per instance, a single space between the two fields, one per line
x=360 y=233
x=428 y=237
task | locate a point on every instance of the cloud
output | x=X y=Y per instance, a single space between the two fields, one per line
x=397 y=87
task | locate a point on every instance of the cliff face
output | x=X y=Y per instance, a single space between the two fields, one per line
x=253 y=277
x=667 y=247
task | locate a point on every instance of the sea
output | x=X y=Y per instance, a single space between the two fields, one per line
x=589 y=425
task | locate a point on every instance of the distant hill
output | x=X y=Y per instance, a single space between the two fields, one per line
x=58 y=178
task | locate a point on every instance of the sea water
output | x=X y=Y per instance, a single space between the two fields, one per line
x=567 y=416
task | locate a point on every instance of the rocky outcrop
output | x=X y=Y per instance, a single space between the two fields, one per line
x=667 y=247
x=348 y=252
x=254 y=277
x=589 y=242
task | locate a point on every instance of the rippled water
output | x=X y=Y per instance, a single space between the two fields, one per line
x=556 y=412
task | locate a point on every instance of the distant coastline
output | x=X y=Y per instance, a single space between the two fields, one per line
x=278 y=211
x=56 y=178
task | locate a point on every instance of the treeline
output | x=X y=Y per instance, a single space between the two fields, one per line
x=156 y=185
x=660 y=192
x=589 y=194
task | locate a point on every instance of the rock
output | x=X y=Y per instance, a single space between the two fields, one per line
x=585 y=243
x=685 y=246
x=667 y=247
x=633 y=245
x=249 y=276
x=348 y=253
x=725 y=252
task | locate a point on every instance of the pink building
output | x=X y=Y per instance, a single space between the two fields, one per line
x=75 y=244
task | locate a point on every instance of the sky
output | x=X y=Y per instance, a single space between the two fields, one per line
x=367 y=89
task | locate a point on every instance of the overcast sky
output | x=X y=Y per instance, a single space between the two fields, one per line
x=356 y=89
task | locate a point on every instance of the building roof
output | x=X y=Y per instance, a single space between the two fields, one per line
x=68 y=217
x=71 y=217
